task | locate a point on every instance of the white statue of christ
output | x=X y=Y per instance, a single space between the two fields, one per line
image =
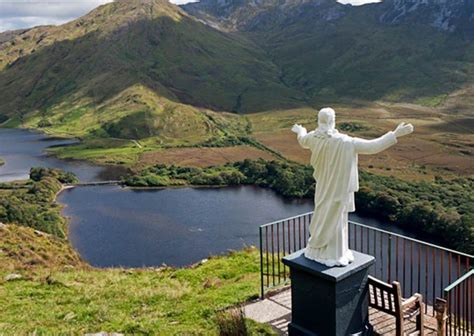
x=334 y=159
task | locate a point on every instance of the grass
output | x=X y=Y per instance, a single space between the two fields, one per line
x=70 y=297
x=231 y=322
x=30 y=252
x=102 y=151
x=442 y=144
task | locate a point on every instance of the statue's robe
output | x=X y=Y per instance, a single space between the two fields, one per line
x=334 y=159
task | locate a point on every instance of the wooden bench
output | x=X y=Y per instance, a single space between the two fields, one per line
x=388 y=299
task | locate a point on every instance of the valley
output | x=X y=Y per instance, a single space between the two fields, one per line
x=444 y=144
x=190 y=107
x=145 y=82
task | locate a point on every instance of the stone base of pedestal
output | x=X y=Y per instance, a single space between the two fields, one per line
x=329 y=301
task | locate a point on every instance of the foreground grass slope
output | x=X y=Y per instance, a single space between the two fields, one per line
x=58 y=294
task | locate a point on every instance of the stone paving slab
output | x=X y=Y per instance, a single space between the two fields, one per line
x=274 y=310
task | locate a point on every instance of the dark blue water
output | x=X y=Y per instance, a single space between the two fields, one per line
x=23 y=149
x=112 y=226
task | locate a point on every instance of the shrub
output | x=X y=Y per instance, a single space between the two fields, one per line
x=231 y=322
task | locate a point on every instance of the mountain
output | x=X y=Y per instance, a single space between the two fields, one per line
x=398 y=50
x=445 y=15
x=127 y=64
x=263 y=15
x=69 y=71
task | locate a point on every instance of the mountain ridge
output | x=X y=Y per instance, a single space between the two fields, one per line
x=450 y=16
x=85 y=63
x=331 y=51
x=265 y=55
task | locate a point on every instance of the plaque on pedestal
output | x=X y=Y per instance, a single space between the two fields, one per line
x=329 y=301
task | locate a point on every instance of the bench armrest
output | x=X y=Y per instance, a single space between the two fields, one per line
x=416 y=299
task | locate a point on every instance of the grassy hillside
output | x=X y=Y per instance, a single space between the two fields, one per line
x=137 y=113
x=138 y=123
x=358 y=58
x=82 y=65
x=333 y=52
x=58 y=294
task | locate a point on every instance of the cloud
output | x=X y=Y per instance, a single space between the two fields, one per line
x=15 y=14
x=182 y=2
x=358 y=2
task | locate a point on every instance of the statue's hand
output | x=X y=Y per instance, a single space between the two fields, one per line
x=298 y=129
x=403 y=129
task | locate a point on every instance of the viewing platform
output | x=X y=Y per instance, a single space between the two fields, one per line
x=443 y=277
x=275 y=310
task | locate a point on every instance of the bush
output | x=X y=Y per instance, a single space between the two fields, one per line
x=38 y=173
x=44 y=123
x=33 y=205
x=231 y=322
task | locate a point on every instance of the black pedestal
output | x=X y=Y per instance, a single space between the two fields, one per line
x=329 y=301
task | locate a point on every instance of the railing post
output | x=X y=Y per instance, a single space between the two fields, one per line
x=389 y=260
x=441 y=308
x=262 y=290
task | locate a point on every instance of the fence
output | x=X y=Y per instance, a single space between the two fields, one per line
x=418 y=266
x=459 y=297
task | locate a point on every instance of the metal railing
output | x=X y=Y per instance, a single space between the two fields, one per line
x=418 y=266
x=459 y=297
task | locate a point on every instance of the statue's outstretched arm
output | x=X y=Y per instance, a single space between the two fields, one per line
x=301 y=134
x=380 y=144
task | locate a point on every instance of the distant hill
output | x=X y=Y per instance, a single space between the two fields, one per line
x=398 y=50
x=90 y=63
x=124 y=64
x=450 y=16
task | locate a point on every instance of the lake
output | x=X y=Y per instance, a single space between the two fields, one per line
x=114 y=226
x=22 y=149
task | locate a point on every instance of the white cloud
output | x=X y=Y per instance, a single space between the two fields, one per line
x=182 y=2
x=15 y=14
x=358 y=2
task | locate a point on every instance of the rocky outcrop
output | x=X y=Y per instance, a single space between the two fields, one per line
x=445 y=15
x=261 y=15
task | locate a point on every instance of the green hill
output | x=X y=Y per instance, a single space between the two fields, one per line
x=332 y=51
x=92 y=63
x=147 y=69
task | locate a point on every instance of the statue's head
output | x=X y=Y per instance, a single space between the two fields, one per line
x=327 y=119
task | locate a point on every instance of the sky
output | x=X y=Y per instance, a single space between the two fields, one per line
x=16 y=14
